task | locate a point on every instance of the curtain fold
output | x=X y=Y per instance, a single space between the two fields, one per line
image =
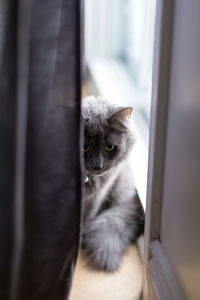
x=51 y=187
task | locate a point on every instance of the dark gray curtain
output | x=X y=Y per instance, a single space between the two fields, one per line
x=40 y=177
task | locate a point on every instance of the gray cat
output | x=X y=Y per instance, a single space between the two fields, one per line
x=112 y=216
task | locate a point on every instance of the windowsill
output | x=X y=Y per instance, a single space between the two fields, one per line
x=113 y=82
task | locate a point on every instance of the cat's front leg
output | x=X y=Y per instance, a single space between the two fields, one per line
x=104 y=249
x=105 y=243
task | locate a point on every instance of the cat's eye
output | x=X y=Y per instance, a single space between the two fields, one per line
x=109 y=148
x=87 y=149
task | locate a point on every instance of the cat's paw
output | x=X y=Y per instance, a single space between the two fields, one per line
x=104 y=259
x=104 y=247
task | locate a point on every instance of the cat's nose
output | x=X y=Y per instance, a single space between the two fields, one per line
x=98 y=167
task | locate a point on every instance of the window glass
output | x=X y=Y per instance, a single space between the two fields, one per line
x=123 y=31
x=119 y=39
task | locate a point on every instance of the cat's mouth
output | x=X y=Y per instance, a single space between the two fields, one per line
x=96 y=172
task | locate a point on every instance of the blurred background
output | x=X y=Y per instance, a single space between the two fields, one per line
x=119 y=39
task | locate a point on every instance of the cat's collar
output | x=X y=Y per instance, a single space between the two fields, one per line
x=86 y=178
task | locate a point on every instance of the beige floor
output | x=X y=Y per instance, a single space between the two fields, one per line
x=125 y=284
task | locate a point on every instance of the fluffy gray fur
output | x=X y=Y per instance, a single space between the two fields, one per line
x=111 y=213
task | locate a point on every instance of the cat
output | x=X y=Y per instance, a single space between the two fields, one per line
x=112 y=215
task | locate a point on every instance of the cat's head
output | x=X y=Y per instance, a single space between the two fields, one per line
x=108 y=138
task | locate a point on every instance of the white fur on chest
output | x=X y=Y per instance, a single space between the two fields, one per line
x=94 y=200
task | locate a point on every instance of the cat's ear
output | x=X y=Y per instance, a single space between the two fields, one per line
x=121 y=117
